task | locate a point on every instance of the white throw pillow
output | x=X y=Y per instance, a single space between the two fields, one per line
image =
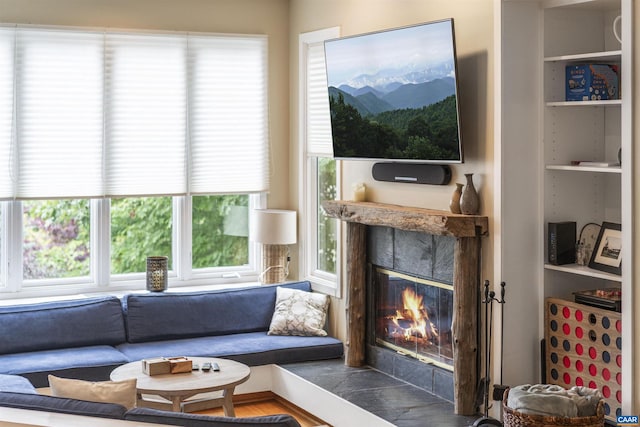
x=299 y=313
x=120 y=392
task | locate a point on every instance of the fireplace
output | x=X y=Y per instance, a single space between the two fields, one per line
x=447 y=250
x=412 y=317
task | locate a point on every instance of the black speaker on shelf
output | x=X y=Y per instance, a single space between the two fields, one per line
x=562 y=242
x=416 y=173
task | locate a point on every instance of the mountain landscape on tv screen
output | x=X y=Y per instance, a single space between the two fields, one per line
x=393 y=94
x=396 y=121
x=370 y=101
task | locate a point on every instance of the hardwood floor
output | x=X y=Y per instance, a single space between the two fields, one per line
x=267 y=403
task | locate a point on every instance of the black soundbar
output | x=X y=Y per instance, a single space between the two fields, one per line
x=415 y=173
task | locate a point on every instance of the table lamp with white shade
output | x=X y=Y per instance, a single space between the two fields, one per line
x=275 y=229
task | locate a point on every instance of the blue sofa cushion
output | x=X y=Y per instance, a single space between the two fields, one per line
x=61 y=324
x=252 y=348
x=166 y=316
x=146 y=415
x=90 y=363
x=16 y=384
x=37 y=402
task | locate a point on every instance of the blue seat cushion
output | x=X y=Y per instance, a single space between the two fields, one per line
x=16 y=384
x=166 y=316
x=37 y=402
x=61 y=324
x=146 y=415
x=90 y=363
x=252 y=348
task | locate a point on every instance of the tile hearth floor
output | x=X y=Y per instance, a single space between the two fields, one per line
x=393 y=400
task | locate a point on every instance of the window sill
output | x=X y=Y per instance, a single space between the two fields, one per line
x=37 y=295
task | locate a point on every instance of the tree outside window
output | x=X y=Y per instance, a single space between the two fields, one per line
x=327 y=227
x=57 y=244
x=220 y=232
x=140 y=227
x=56 y=239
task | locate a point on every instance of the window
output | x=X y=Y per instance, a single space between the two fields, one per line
x=56 y=239
x=220 y=231
x=326 y=226
x=320 y=172
x=60 y=241
x=118 y=145
x=140 y=227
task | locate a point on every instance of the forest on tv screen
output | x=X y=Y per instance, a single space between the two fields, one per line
x=427 y=133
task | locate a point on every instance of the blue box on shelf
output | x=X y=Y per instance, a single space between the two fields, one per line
x=592 y=82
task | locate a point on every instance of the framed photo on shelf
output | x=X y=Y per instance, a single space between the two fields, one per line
x=607 y=254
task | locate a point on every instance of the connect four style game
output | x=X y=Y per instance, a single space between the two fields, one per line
x=583 y=348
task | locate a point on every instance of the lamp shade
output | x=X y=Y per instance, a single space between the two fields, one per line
x=274 y=227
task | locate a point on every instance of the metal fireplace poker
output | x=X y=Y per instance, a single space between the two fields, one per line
x=483 y=387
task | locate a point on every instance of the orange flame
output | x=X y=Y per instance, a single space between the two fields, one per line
x=413 y=318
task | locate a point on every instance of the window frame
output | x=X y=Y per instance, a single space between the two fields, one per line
x=100 y=279
x=322 y=281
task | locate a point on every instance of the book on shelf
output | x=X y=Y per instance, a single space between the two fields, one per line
x=594 y=163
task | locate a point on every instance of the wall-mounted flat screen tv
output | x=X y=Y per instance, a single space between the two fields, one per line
x=393 y=94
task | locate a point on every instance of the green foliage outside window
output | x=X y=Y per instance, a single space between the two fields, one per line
x=140 y=227
x=327 y=244
x=56 y=239
x=220 y=231
x=57 y=234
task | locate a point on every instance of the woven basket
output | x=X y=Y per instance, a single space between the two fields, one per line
x=512 y=418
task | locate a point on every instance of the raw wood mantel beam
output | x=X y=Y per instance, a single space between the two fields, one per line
x=430 y=221
x=467 y=229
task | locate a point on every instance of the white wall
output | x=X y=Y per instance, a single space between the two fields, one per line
x=474 y=30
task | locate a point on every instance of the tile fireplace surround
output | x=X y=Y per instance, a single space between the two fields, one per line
x=467 y=231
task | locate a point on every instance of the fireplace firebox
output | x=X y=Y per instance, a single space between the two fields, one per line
x=412 y=316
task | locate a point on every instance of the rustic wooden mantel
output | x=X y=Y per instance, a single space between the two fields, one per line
x=467 y=229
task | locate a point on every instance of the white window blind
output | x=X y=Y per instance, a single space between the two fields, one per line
x=146 y=99
x=6 y=111
x=59 y=113
x=228 y=114
x=319 y=142
x=100 y=113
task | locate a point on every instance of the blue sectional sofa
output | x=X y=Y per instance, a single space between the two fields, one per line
x=17 y=392
x=88 y=338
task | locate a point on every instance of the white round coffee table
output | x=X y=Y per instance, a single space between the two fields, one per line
x=177 y=388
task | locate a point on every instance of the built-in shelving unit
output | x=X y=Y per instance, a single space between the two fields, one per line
x=539 y=123
x=579 y=130
x=581 y=32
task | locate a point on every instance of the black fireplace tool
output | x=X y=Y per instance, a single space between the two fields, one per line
x=483 y=387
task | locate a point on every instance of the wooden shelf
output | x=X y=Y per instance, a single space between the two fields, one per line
x=594 y=56
x=600 y=169
x=583 y=270
x=606 y=103
x=431 y=221
x=582 y=4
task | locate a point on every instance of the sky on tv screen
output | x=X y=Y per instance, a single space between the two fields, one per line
x=414 y=54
